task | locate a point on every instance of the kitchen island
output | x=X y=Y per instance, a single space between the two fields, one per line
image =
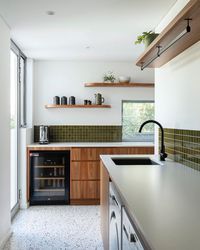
x=162 y=200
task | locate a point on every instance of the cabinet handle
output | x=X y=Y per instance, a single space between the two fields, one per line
x=131 y=237
x=125 y=231
x=113 y=216
x=114 y=199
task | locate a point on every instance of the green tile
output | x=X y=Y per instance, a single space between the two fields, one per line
x=183 y=146
x=69 y=133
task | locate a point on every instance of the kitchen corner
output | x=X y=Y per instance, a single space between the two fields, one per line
x=99 y=134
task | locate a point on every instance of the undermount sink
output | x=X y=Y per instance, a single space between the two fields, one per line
x=134 y=161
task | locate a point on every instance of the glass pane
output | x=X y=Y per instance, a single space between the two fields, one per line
x=134 y=114
x=48 y=176
x=22 y=93
x=13 y=128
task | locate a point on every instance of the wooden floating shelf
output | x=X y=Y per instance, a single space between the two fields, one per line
x=173 y=29
x=119 y=84
x=48 y=106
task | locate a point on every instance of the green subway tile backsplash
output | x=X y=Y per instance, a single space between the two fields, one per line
x=82 y=133
x=183 y=146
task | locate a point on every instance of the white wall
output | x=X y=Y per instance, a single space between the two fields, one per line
x=29 y=91
x=177 y=86
x=4 y=132
x=26 y=134
x=26 y=138
x=177 y=91
x=67 y=78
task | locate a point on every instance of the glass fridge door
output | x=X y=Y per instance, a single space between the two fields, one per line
x=48 y=171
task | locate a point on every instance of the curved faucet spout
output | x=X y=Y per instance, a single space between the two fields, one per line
x=163 y=154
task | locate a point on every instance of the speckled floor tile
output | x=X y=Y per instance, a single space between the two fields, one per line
x=56 y=227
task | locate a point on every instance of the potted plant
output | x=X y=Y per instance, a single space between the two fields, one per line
x=146 y=38
x=109 y=77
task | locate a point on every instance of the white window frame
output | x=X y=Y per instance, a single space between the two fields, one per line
x=140 y=137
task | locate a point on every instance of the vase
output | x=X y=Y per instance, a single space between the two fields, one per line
x=149 y=39
x=109 y=81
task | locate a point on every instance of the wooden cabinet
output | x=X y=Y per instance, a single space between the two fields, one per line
x=85 y=182
x=84 y=176
x=85 y=171
x=92 y=154
x=104 y=208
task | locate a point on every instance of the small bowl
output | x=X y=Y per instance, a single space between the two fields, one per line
x=124 y=79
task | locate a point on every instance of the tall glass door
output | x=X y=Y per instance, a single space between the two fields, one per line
x=13 y=129
x=17 y=119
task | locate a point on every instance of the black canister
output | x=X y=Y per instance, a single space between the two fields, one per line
x=63 y=100
x=56 y=100
x=72 y=100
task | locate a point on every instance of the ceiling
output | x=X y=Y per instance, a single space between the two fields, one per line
x=82 y=29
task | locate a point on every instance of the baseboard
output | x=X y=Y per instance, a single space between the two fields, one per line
x=5 y=239
x=24 y=205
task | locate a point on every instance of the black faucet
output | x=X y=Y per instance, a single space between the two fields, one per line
x=163 y=154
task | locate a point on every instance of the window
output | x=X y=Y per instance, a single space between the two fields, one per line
x=21 y=83
x=17 y=119
x=134 y=113
x=13 y=130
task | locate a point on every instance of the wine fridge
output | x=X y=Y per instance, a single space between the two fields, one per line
x=49 y=177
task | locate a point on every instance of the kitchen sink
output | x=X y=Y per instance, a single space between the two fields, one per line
x=134 y=161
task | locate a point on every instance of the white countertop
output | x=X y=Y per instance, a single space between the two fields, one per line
x=94 y=144
x=163 y=200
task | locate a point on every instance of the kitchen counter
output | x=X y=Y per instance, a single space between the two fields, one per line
x=94 y=144
x=163 y=201
x=85 y=165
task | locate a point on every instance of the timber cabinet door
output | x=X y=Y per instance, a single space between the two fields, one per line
x=84 y=176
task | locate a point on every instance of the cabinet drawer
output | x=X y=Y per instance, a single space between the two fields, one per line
x=82 y=154
x=85 y=190
x=92 y=154
x=85 y=170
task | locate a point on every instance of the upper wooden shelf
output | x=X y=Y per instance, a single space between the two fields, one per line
x=119 y=84
x=48 y=106
x=175 y=28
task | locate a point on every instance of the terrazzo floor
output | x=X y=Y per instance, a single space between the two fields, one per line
x=56 y=227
